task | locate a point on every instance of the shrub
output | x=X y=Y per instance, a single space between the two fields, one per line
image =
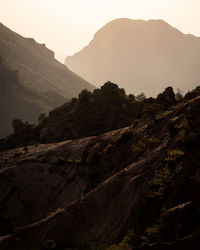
x=152 y=141
x=150 y=111
x=179 y=95
x=144 y=144
x=124 y=137
x=93 y=154
x=139 y=148
x=69 y=160
x=163 y=179
x=135 y=123
x=174 y=155
x=57 y=211
x=141 y=97
x=126 y=243
x=160 y=181
x=60 y=161
x=152 y=233
x=107 y=148
x=78 y=161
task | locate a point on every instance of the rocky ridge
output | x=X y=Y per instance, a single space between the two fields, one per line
x=137 y=185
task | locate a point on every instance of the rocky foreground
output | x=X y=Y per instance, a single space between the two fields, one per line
x=138 y=185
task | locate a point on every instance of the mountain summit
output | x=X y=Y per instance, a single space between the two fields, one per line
x=140 y=56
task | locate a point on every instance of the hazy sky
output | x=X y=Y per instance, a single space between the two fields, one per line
x=66 y=26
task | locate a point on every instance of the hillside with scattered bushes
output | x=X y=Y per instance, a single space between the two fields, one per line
x=135 y=187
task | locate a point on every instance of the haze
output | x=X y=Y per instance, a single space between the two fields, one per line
x=66 y=26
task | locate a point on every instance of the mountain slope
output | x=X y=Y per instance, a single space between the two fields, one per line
x=37 y=66
x=42 y=82
x=89 y=193
x=18 y=101
x=140 y=56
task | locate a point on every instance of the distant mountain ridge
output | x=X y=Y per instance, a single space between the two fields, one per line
x=140 y=56
x=32 y=81
x=37 y=66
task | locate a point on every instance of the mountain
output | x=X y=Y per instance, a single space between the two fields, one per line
x=132 y=188
x=140 y=56
x=41 y=76
x=18 y=101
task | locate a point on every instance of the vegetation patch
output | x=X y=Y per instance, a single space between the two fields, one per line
x=144 y=144
x=151 y=235
x=108 y=148
x=52 y=214
x=60 y=161
x=164 y=178
x=94 y=154
x=174 y=155
x=126 y=243
x=78 y=161
x=124 y=137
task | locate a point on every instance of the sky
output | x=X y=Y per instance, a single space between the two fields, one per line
x=66 y=26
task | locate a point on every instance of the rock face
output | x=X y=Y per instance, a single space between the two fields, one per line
x=89 y=193
x=31 y=80
x=139 y=55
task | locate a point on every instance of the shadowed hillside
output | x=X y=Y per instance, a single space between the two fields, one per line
x=140 y=55
x=18 y=101
x=43 y=80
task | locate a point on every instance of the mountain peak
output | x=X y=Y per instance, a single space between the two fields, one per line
x=123 y=25
x=140 y=56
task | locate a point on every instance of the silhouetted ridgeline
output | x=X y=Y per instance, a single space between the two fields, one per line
x=104 y=110
x=140 y=55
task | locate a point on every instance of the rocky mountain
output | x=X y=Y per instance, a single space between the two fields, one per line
x=140 y=56
x=47 y=82
x=132 y=188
